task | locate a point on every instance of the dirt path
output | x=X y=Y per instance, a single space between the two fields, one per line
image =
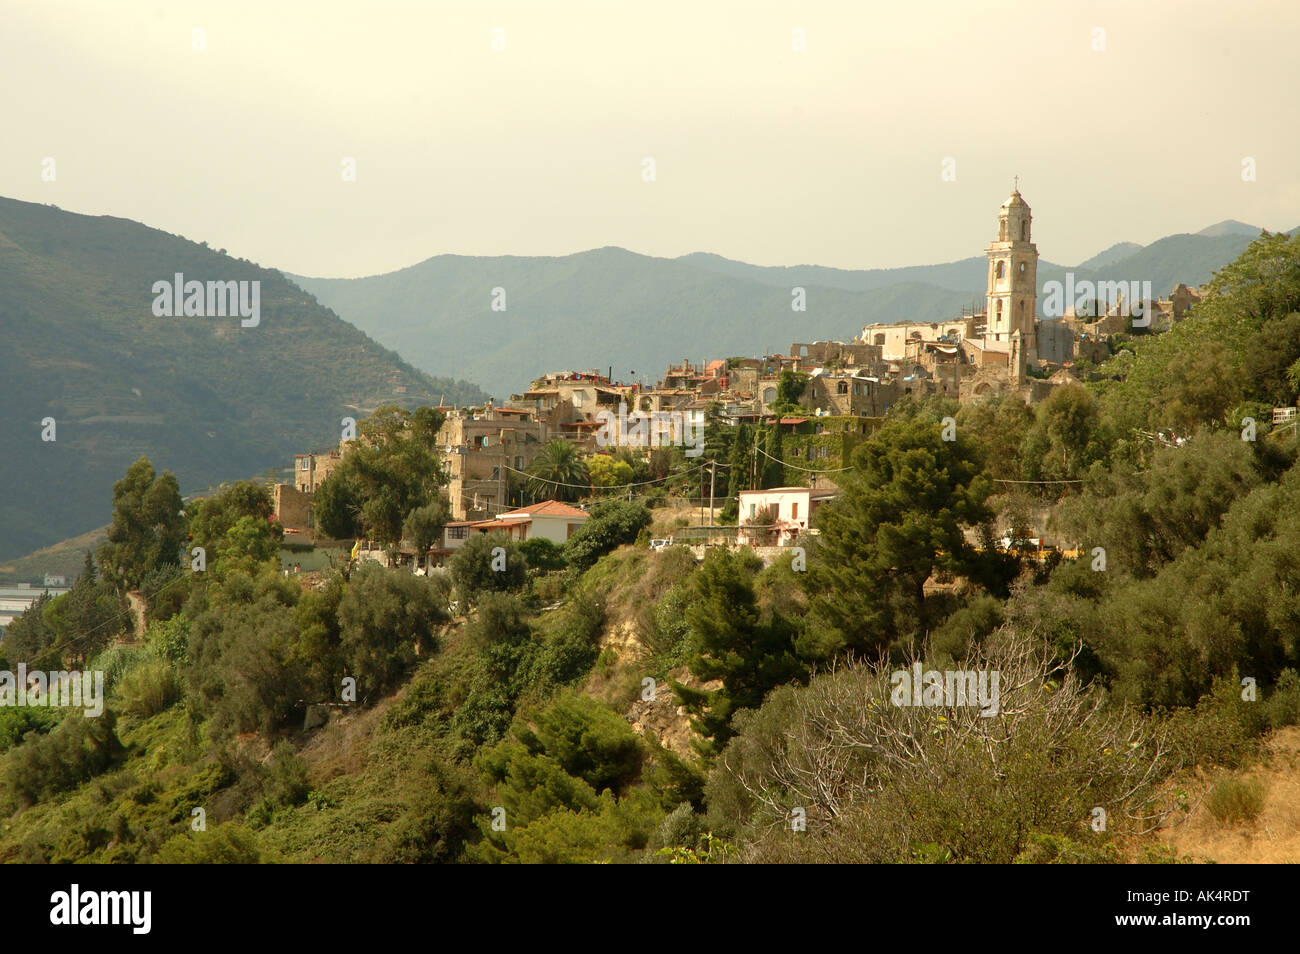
x=138 y=609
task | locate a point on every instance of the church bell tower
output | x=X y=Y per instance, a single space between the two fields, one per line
x=1013 y=282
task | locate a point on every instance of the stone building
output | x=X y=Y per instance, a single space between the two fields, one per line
x=482 y=449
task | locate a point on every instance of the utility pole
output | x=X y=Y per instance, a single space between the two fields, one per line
x=713 y=473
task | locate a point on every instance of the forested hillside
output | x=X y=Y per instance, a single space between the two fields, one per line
x=219 y=401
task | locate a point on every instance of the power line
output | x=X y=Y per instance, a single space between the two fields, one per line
x=998 y=480
x=810 y=470
x=639 y=483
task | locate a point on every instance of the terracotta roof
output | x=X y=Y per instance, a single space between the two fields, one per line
x=498 y=522
x=548 y=508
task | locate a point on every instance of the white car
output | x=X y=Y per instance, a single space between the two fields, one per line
x=661 y=544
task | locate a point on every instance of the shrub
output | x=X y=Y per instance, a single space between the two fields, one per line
x=287 y=783
x=612 y=523
x=476 y=569
x=118 y=661
x=74 y=751
x=228 y=844
x=1236 y=800
x=543 y=554
x=148 y=689
x=170 y=639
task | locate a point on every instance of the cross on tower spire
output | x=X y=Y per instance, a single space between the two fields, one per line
x=1016 y=187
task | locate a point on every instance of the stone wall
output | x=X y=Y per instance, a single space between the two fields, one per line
x=292 y=507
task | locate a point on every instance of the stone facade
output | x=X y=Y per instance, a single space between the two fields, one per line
x=292 y=507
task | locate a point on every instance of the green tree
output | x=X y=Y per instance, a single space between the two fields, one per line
x=386 y=620
x=246 y=671
x=391 y=470
x=738 y=472
x=542 y=554
x=209 y=519
x=1066 y=437
x=789 y=389
x=487 y=562
x=900 y=516
x=558 y=473
x=147 y=528
x=29 y=636
x=87 y=617
x=606 y=470
x=732 y=642
x=998 y=425
x=337 y=505
x=612 y=523
x=774 y=459
x=423 y=526
x=249 y=543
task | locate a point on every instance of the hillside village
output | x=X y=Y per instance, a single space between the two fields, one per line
x=488 y=450
x=622 y=622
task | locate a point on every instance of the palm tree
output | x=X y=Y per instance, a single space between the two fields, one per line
x=558 y=472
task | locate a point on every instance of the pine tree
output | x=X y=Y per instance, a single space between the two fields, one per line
x=774 y=462
x=734 y=643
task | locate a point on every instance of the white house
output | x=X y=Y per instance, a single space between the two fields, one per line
x=791 y=514
x=550 y=520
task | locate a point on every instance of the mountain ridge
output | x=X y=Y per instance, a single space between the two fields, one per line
x=203 y=397
x=614 y=308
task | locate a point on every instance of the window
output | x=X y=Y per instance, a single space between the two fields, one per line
x=1024 y=233
x=751 y=511
x=794 y=511
x=842 y=388
x=457 y=533
x=519 y=463
x=306 y=463
x=1022 y=268
x=1002 y=269
x=880 y=339
x=496 y=473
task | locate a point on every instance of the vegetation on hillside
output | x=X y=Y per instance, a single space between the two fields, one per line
x=521 y=707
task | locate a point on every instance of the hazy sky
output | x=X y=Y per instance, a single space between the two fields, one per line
x=762 y=153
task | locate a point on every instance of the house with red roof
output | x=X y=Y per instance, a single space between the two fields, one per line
x=550 y=520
